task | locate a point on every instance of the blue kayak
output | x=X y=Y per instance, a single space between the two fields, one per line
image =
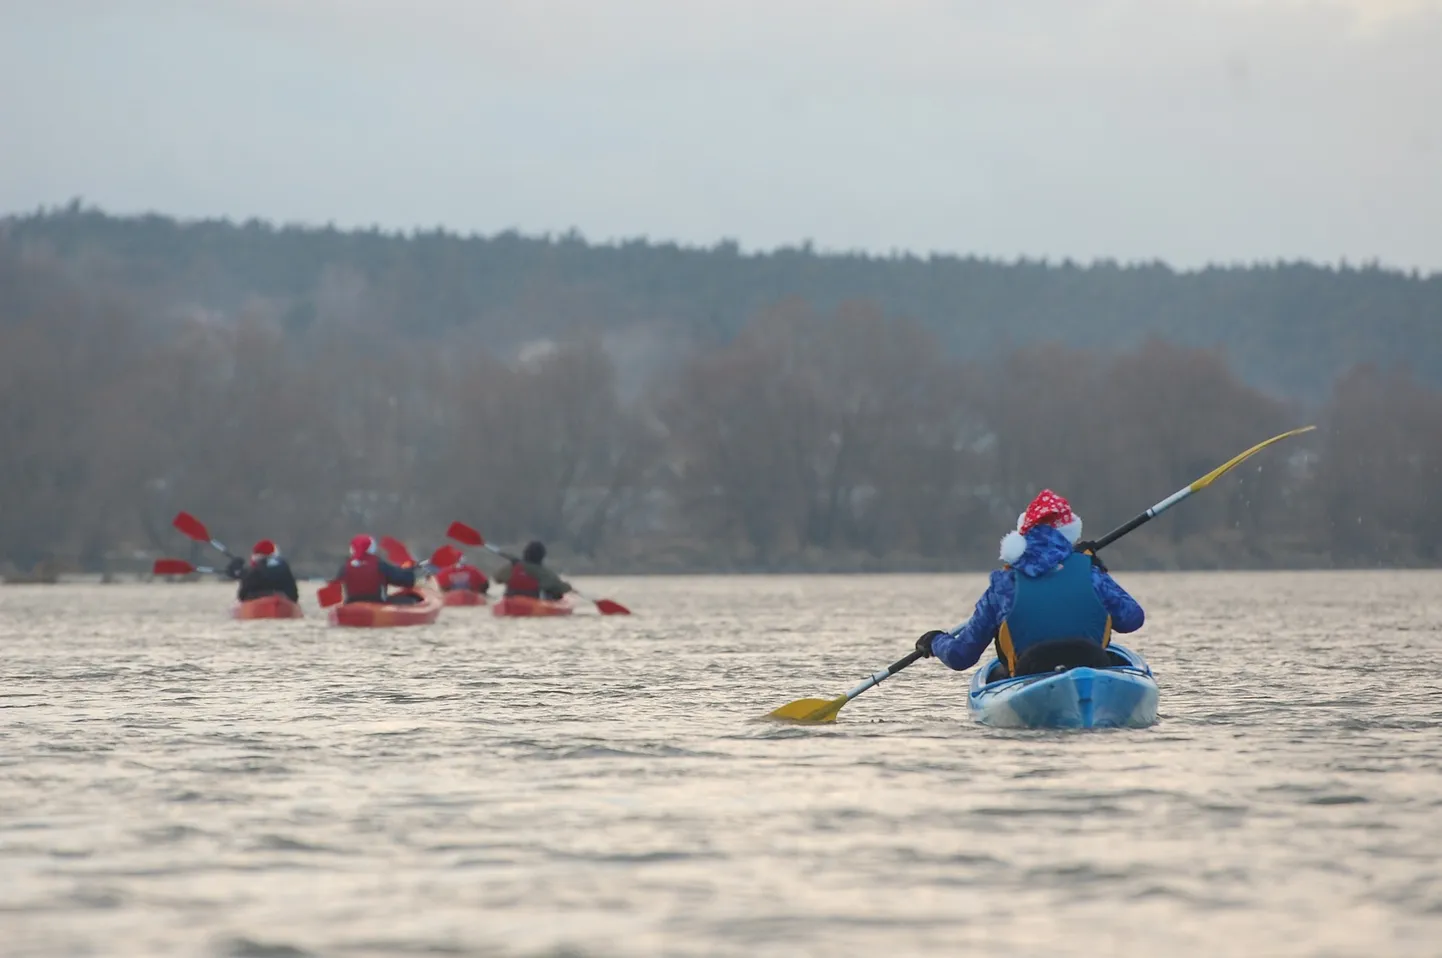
x=1123 y=696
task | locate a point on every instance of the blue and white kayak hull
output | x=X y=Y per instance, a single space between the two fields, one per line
x=1124 y=696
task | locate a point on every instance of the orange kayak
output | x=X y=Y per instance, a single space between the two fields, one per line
x=382 y=615
x=464 y=597
x=267 y=607
x=524 y=605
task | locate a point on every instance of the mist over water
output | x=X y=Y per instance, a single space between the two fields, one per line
x=175 y=783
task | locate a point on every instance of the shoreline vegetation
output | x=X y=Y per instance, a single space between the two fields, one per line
x=648 y=408
x=309 y=579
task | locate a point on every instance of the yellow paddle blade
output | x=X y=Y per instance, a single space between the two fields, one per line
x=810 y=710
x=1216 y=473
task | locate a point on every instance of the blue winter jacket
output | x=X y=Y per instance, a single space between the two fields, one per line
x=962 y=647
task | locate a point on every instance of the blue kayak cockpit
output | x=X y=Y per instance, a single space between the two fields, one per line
x=1120 y=656
x=1122 y=695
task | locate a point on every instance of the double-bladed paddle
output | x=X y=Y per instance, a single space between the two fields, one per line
x=180 y=567
x=397 y=552
x=466 y=535
x=812 y=711
x=330 y=594
x=193 y=528
x=1186 y=491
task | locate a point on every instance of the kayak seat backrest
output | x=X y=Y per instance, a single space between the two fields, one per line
x=998 y=669
x=1069 y=653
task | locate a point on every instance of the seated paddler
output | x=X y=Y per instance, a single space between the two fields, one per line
x=530 y=577
x=267 y=573
x=366 y=577
x=1051 y=605
x=461 y=576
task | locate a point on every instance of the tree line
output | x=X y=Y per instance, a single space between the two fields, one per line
x=1290 y=328
x=815 y=437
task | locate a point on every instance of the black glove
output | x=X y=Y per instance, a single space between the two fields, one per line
x=923 y=644
x=236 y=568
x=1090 y=548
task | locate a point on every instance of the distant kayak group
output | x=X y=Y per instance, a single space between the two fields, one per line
x=375 y=591
x=1049 y=613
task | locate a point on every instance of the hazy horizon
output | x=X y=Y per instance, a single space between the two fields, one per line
x=1232 y=131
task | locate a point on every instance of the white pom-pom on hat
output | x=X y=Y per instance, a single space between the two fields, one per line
x=1072 y=530
x=1013 y=546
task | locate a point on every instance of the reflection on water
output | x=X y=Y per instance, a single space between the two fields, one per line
x=175 y=783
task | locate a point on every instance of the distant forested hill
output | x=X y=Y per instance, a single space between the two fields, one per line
x=1289 y=328
x=650 y=408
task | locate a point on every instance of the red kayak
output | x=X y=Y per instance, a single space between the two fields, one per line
x=524 y=605
x=382 y=615
x=464 y=597
x=267 y=607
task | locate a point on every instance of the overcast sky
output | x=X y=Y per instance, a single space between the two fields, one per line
x=1192 y=131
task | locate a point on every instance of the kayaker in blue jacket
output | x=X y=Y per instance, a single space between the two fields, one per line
x=1050 y=605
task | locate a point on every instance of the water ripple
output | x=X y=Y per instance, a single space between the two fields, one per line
x=182 y=784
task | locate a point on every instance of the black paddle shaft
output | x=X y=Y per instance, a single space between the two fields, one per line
x=877 y=678
x=902 y=663
x=1120 y=531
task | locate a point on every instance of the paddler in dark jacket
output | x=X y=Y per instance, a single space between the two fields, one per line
x=1052 y=604
x=530 y=577
x=365 y=575
x=265 y=574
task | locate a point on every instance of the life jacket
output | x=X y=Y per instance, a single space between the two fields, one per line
x=461 y=577
x=363 y=580
x=521 y=582
x=1058 y=605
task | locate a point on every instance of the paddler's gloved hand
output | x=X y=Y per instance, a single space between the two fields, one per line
x=236 y=568
x=923 y=644
x=1090 y=548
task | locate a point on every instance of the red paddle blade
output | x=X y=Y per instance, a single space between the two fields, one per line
x=330 y=594
x=172 y=567
x=445 y=556
x=464 y=534
x=396 y=551
x=192 y=527
x=611 y=607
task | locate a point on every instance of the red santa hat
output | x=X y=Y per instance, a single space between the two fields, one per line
x=362 y=545
x=264 y=548
x=1047 y=509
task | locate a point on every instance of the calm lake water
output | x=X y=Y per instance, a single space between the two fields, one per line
x=175 y=783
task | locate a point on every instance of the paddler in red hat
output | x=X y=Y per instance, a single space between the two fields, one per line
x=365 y=575
x=265 y=574
x=461 y=576
x=1052 y=604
